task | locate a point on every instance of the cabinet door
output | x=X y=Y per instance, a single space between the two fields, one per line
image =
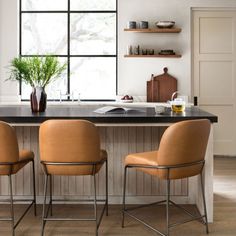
x=214 y=73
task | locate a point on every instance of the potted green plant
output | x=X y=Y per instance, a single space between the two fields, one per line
x=37 y=72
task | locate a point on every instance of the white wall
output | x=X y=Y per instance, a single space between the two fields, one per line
x=8 y=47
x=133 y=73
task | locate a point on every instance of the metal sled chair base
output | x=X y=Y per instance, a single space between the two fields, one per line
x=11 y=201
x=96 y=218
x=127 y=211
x=167 y=201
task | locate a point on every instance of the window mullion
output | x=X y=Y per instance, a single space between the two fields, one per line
x=67 y=53
x=68 y=49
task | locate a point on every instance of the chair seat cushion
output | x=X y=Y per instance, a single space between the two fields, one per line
x=150 y=159
x=143 y=158
x=76 y=169
x=24 y=155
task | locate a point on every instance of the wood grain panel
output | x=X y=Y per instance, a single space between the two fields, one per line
x=132 y=175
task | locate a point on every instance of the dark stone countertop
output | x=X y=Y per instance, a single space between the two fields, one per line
x=23 y=115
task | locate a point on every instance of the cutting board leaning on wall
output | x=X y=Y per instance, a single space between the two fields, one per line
x=161 y=87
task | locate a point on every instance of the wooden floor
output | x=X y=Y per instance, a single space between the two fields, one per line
x=224 y=214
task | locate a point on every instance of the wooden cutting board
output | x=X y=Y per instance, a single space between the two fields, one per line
x=160 y=88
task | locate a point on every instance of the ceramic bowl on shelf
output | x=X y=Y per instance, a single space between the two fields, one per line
x=167 y=52
x=165 y=24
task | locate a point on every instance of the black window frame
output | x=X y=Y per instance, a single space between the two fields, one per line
x=68 y=55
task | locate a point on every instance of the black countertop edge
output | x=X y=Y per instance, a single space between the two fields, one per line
x=106 y=120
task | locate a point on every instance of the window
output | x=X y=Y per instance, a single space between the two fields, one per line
x=81 y=33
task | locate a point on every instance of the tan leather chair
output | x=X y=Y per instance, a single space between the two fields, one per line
x=181 y=155
x=11 y=161
x=71 y=147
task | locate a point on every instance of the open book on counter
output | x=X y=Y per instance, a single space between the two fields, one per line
x=118 y=110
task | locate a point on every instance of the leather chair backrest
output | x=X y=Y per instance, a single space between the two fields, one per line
x=69 y=141
x=9 y=150
x=182 y=143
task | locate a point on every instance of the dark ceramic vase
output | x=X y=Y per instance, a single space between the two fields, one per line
x=38 y=99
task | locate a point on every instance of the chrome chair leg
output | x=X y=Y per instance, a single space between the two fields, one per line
x=167 y=205
x=124 y=191
x=106 y=188
x=11 y=204
x=95 y=205
x=50 y=181
x=44 y=205
x=204 y=203
x=34 y=189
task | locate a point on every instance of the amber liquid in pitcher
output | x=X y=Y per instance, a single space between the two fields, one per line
x=178 y=108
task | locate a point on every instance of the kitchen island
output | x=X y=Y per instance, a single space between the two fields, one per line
x=120 y=134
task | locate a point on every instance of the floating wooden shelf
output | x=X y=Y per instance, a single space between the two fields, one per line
x=155 y=30
x=153 y=56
